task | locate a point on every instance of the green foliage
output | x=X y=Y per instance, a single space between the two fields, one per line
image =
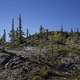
x=71 y=42
x=16 y=36
x=43 y=72
x=55 y=37
x=36 y=77
x=4 y=36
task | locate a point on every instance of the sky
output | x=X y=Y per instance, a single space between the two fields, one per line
x=49 y=13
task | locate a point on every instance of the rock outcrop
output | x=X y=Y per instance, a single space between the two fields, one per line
x=17 y=67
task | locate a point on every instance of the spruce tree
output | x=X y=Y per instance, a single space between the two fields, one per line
x=41 y=31
x=46 y=34
x=71 y=33
x=21 y=33
x=4 y=36
x=77 y=30
x=62 y=34
x=13 y=31
x=71 y=30
x=62 y=28
x=27 y=33
x=41 y=28
x=17 y=33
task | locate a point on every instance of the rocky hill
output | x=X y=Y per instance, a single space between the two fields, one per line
x=44 y=56
x=63 y=65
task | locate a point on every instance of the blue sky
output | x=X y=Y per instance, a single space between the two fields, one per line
x=49 y=13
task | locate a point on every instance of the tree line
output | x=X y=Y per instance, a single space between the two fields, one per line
x=17 y=37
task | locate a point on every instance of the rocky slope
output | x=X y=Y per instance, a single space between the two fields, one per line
x=15 y=66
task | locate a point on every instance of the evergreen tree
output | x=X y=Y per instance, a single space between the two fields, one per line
x=77 y=30
x=71 y=33
x=27 y=33
x=12 y=33
x=21 y=33
x=4 y=36
x=71 y=30
x=41 y=31
x=17 y=32
x=3 y=40
x=46 y=34
x=62 y=38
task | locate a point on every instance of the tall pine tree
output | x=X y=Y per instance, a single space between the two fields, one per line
x=46 y=34
x=41 y=31
x=4 y=36
x=21 y=33
x=27 y=33
x=12 y=33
